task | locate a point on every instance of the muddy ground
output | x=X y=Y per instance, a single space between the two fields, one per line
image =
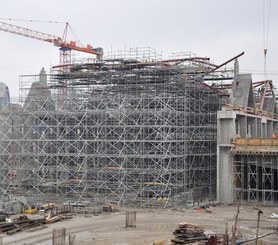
x=151 y=224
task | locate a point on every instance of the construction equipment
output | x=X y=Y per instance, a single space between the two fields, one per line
x=30 y=209
x=65 y=50
x=65 y=47
x=49 y=205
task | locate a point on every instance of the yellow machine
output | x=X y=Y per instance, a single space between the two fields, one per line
x=30 y=209
x=49 y=205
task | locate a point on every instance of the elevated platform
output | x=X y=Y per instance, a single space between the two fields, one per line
x=255 y=150
x=255 y=146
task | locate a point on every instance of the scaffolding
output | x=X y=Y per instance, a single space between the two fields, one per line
x=132 y=128
x=255 y=178
x=255 y=170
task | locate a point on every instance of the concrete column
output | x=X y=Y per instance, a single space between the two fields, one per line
x=264 y=127
x=269 y=128
x=259 y=128
x=275 y=128
x=252 y=121
x=243 y=125
x=226 y=131
x=225 y=188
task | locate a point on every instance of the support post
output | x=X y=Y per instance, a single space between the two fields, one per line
x=59 y=236
x=71 y=239
x=130 y=219
x=258 y=225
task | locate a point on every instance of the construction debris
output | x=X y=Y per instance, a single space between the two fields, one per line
x=52 y=219
x=107 y=208
x=188 y=233
x=160 y=242
x=273 y=215
x=19 y=225
x=13 y=225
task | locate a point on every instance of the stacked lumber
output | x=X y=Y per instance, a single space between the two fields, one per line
x=188 y=233
x=57 y=215
x=19 y=225
x=24 y=223
x=52 y=219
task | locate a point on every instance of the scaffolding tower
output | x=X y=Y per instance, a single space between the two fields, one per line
x=132 y=128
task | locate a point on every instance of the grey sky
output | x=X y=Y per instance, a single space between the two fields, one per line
x=219 y=29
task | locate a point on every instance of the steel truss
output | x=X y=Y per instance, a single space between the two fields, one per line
x=131 y=131
x=256 y=178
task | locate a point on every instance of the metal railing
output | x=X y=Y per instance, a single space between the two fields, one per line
x=252 y=111
x=256 y=142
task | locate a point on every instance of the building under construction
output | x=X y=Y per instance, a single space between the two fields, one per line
x=247 y=144
x=129 y=128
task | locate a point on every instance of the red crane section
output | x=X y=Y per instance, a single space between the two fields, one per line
x=65 y=50
x=57 y=41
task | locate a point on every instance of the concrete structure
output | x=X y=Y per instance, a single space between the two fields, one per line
x=4 y=95
x=247 y=169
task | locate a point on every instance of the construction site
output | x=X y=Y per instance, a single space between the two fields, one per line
x=132 y=128
x=129 y=129
x=136 y=130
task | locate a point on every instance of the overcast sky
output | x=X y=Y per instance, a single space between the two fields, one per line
x=219 y=29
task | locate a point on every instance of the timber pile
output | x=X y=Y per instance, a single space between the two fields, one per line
x=188 y=233
x=24 y=223
x=19 y=225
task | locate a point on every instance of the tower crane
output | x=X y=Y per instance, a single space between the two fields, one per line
x=65 y=47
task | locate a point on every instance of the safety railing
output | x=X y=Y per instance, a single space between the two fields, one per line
x=251 y=111
x=256 y=142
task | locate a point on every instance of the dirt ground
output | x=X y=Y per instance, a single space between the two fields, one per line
x=151 y=225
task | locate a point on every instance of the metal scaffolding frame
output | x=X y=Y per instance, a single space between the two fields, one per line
x=133 y=128
x=255 y=178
